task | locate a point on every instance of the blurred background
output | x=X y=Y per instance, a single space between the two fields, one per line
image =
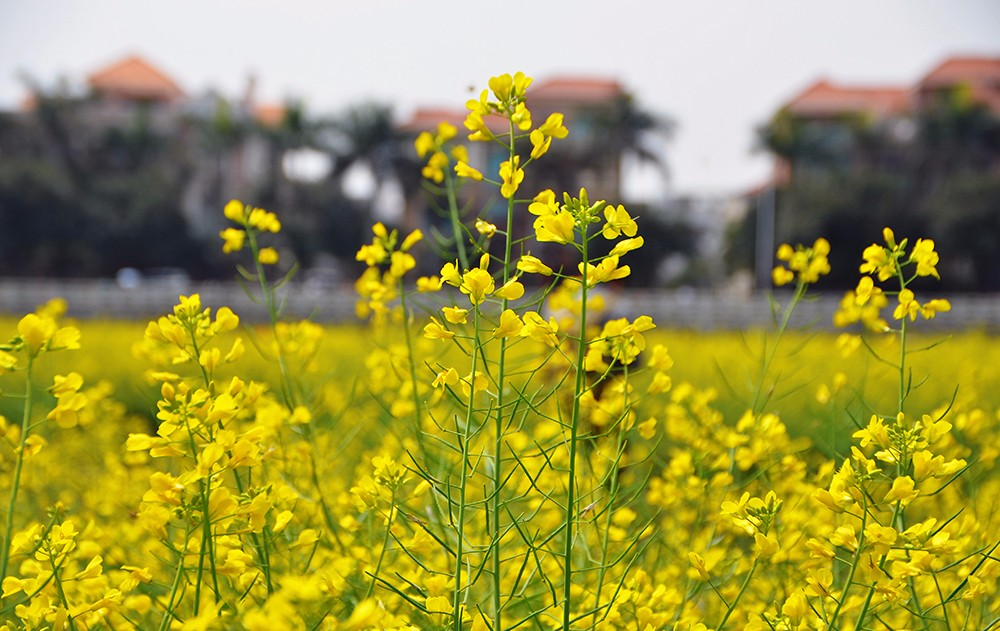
x=728 y=127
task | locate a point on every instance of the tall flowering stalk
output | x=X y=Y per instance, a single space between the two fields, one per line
x=904 y=460
x=37 y=334
x=501 y=116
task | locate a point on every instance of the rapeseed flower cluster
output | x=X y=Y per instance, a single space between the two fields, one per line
x=882 y=262
x=252 y=222
x=387 y=262
x=805 y=264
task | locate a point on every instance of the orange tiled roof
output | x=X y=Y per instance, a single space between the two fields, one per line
x=980 y=74
x=963 y=69
x=270 y=115
x=827 y=99
x=578 y=89
x=135 y=78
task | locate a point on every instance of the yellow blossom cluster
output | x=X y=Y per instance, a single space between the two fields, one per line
x=508 y=105
x=804 y=264
x=387 y=260
x=252 y=222
x=434 y=147
x=882 y=262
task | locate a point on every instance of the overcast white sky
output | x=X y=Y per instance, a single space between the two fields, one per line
x=719 y=68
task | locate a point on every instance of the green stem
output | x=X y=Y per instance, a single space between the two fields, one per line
x=902 y=364
x=498 y=431
x=465 y=437
x=385 y=543
x=896 y=515
x=56 y=571
x=331 y=523
x=768 y=356
x=270 y=303
x=902 y=338
x=743 y=588
x=578 y=390
x=612 y=495
x=261 y=548
x=168 y=612
x=417 y=407
x=16 y=483
x=850 y=574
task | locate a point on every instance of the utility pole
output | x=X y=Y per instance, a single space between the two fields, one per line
x=764 y=259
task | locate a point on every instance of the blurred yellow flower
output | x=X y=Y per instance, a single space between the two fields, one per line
x=268 y=256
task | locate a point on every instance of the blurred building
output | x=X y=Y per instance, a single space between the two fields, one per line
x=923 y=158
x=219 y=147
x=838 y=127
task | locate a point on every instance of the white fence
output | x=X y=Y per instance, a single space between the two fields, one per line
x=700 y=310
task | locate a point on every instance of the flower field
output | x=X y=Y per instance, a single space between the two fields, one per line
x=515 y=460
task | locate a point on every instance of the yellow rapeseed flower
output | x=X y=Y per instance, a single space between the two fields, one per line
x=477 y=283
x=903 y=491
x=511 y=175
x=235 y=211
x=533 y=265
x=555 y=228
x=429 y=283
x=626 y=245
x=485 y=228
x=424 y=143
x=35 y=332
x=521 y=117
x=544 y=204
x=477 y=125
x=436 y=331
x=553 y=126
x=434 y=169
x=511 y=290
x=781 y=276
x=233 y=239
x=411 y=239
x=539 y=144
x=268 y=256
x=509 y=90
x=455 y=315
x=401 y=262
x=263 y=220
x=925 y=257
x=464 y=170
x=618 y=222
x=510 y=325
x=878 y=262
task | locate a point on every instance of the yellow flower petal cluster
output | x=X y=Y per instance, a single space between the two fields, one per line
x=378 y=286
x=619 y=341
x=39 y=333
x=478 y=284
x=435 y=145
x=806 y=264
x=885 y=261
x=252 y=221
x=618 y=222
x=605 y=271
x=511 y=176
